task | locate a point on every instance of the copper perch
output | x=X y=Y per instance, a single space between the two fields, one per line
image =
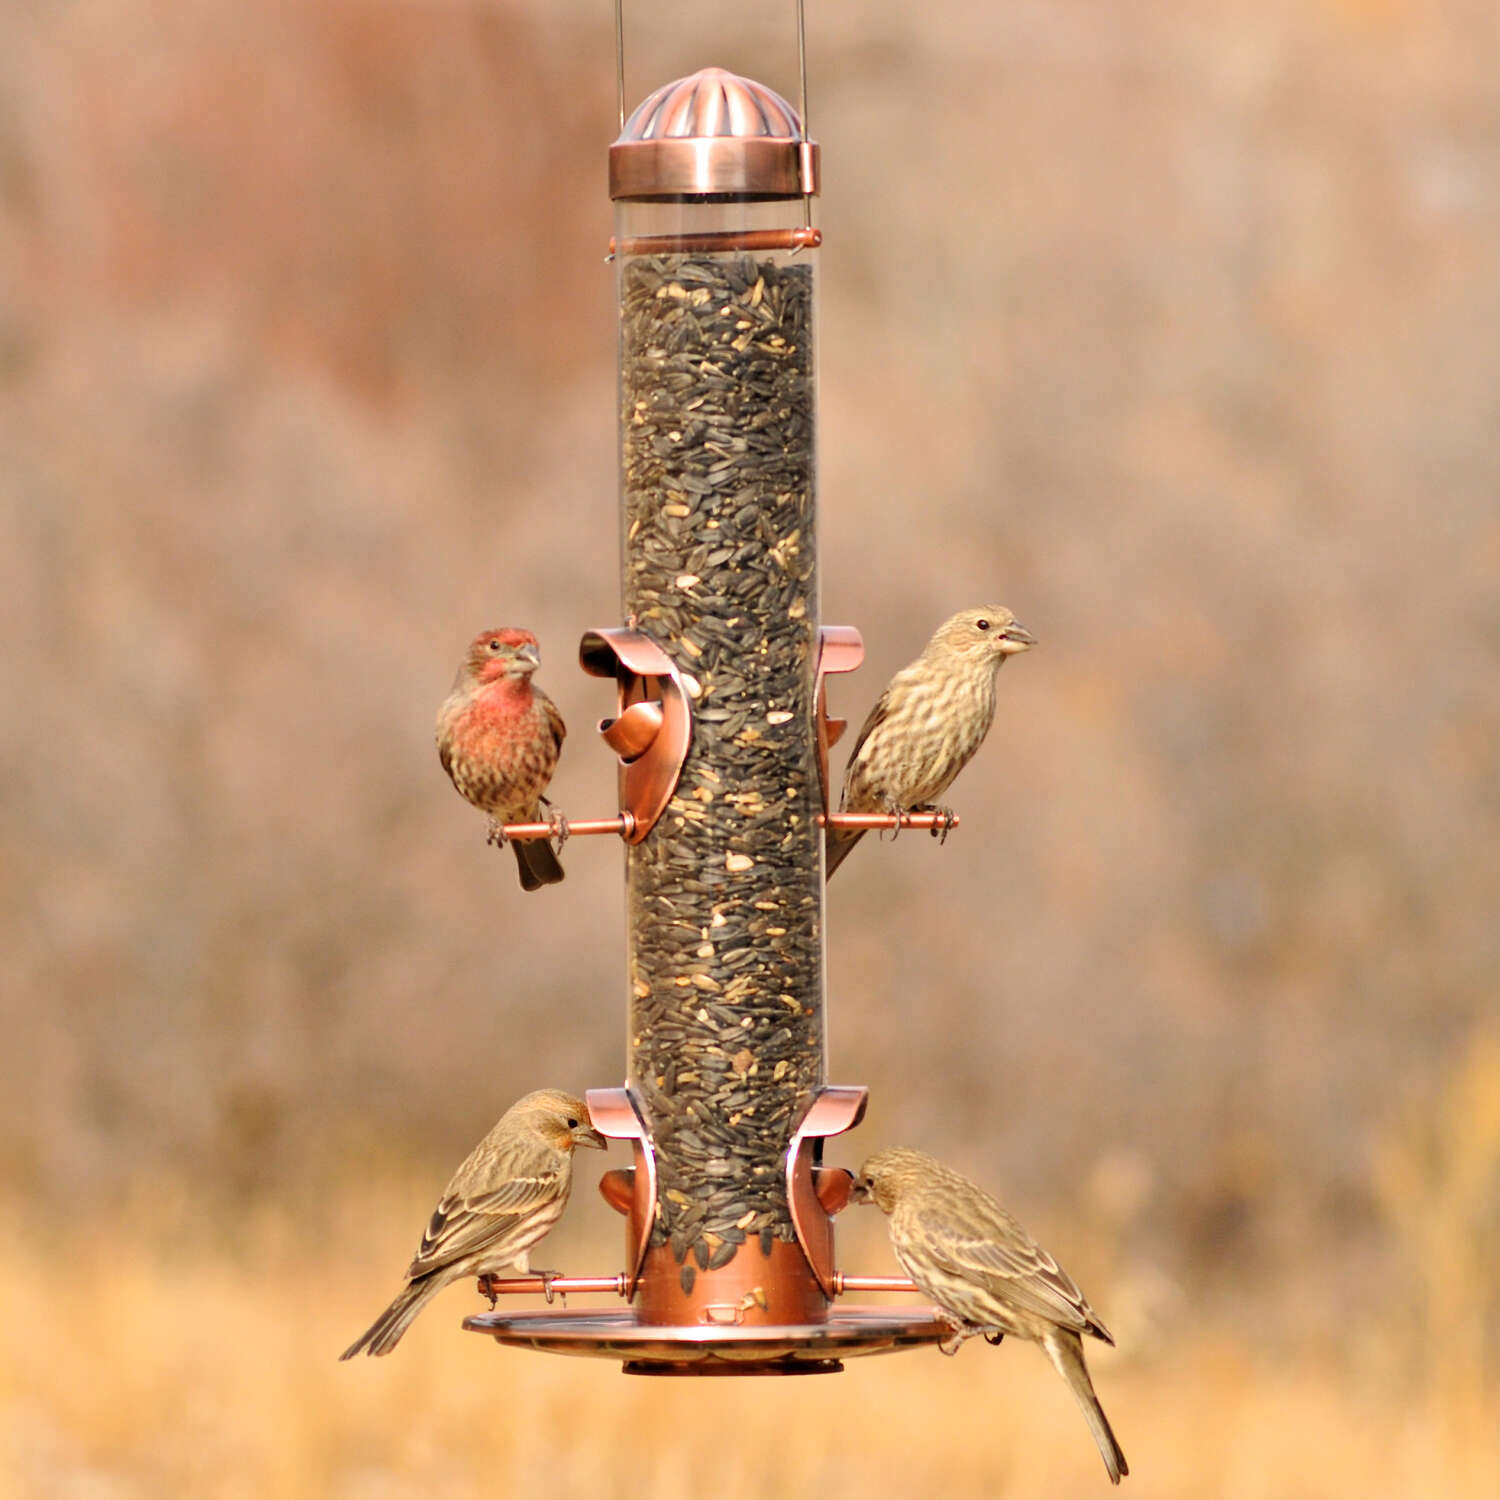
x=936 y=821
x=624 y=824
x=556 y=1286
x=537 y=1286
x=844 y=1283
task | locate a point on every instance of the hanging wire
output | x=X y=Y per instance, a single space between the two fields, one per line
x=802 y=98
x=802 y=62
x=620 y=59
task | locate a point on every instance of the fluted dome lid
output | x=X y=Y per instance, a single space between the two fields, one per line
x=709 y=134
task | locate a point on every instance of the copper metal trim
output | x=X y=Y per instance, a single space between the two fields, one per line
x=835 y=1109
x=614 y=1114
x=550 y=1286
x=756 y=167
x=712 y=104
x=752 y=1289
x=851 y=1331
x=653 y=729
x=582 y=828
x=714 y=134
x=841 y=648
x=937 y=821
x=630 y=735
x=722 y=241
x=844 y=1283
x=500 y=1286
x=617 y=1188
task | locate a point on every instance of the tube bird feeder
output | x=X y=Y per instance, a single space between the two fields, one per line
x=722 y=733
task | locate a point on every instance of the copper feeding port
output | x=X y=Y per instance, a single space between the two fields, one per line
x=767 y=1313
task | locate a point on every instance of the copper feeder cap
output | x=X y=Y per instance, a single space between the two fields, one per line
x=713 y=133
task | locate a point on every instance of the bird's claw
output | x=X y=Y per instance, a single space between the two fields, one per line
x=943 y=820
x=993 y=1336
x=487 y=1289
x=548 y=1277
x=497 y=835
x=560 y=829
x=894 y=810
x=958 y=1333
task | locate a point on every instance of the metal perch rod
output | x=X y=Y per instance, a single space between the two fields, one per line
x=937 y=820
x=843 y=1283
x=624 y=824
x=502 y=1286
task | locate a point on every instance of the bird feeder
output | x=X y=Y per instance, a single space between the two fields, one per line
x=722 y=733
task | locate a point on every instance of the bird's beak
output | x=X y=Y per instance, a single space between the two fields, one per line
x=529 y=656
x=585 y=1135
x=859 y=1193
x=1016 y=637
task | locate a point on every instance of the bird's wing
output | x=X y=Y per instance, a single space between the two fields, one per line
x=555 y=725
x=876 y=718
x=465 y=1222
x=988 y=1246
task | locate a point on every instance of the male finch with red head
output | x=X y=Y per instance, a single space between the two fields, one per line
x=511 y=1189
x=985 y=1273
x=932 y=717
x=499 y=737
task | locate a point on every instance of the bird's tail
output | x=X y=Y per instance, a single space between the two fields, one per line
x=537 y=863
x=1065 y=1350
x=836 y=847
x=385 y=1332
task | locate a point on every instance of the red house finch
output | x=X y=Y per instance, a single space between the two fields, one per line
x=985 y=1273
x=929 y=721
x=511 y=1189
x=499 y=737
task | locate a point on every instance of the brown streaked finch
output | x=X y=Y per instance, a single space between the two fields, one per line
x=985 y=1273
x=511 y=1189
x=927 y=724
x=499 y=737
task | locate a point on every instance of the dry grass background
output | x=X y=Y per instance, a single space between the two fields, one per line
x=1171 y=324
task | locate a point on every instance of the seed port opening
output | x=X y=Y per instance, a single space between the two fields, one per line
x=652 y=727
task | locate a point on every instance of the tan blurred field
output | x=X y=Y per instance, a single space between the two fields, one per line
x=129 y=1369
x=1170 y=324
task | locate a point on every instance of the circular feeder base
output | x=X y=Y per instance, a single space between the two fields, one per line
x=777 y=1349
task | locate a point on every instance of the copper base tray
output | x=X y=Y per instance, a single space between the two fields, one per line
x=654 y=1349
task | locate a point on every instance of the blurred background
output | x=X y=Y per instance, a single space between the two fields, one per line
x=1171 y=325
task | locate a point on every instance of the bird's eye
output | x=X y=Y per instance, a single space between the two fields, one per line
x=494 y=645
x=572 y=1124
x=983 y=624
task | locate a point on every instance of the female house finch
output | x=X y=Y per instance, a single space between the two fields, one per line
x=985 y=1273
x=929 y=721
x=499 y=737
x=511 y=1189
